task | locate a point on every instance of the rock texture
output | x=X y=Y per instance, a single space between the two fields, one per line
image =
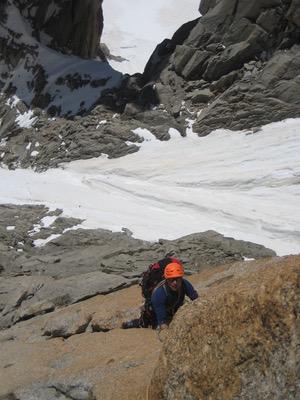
x=246 y=325
x=79 y=353
x=70 y=26
x=239 y=63
x=239 y=340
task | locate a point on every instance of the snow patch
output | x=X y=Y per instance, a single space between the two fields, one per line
x=101 y=123
x=47 y=221
x=42 y=242
x=144 y=134
x=26 y=120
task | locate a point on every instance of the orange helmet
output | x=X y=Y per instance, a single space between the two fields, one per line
x=173 y=270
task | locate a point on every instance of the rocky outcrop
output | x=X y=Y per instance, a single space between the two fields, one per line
x=37 y=276
x=239 y=340
x=52 y=141
x=239 y=63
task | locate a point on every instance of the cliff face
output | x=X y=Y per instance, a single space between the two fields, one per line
x=70 y=26
x=239 y=340
x=47 y=57
x=239 y=62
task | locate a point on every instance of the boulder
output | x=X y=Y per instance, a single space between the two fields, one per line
x=196 y=65
x=239 y=340
x=201 y=96
x=66 y=325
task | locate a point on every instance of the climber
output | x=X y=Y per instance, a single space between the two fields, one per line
x=174 y=289
x=169 y=294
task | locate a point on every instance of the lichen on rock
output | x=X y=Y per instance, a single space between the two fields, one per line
x=240 y=340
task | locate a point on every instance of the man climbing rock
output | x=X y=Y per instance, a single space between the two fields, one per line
x=169 y=295
x=164 y=290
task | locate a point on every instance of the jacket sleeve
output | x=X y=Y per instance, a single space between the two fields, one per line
x=158 y=300
x=190 y=291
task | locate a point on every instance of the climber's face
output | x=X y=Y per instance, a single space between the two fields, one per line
x=174 y=283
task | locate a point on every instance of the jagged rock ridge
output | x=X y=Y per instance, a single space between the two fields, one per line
x=239 y=62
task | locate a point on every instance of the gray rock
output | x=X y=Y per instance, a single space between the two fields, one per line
x=28 y=297
x=294 y=12
x=32 y=310
x=249 y=103
x=196 y=65
x=65 y=389
x=83 y=263
x=269 y=20
x=201 y=96
x=236 y=46
x=224 y=82
x=234 y=57
x=66 y=325
x=182 y=55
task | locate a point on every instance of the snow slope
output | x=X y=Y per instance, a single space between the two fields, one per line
x=240 y=184
x=133 y=29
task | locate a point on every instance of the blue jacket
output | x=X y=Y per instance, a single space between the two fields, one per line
x=166 y=302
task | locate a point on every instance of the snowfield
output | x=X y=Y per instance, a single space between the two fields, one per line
x=241 y=184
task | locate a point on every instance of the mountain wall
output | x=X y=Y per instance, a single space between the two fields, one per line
x=47 y=55
x=237 y=67
x=239 y=63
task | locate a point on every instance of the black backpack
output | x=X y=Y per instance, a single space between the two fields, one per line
x=154 y=275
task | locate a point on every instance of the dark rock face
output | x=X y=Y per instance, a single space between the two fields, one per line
x=70 y=26
x=245 y=52
x=48 y=55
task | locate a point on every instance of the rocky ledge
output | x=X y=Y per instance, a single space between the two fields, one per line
x=46 y=264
